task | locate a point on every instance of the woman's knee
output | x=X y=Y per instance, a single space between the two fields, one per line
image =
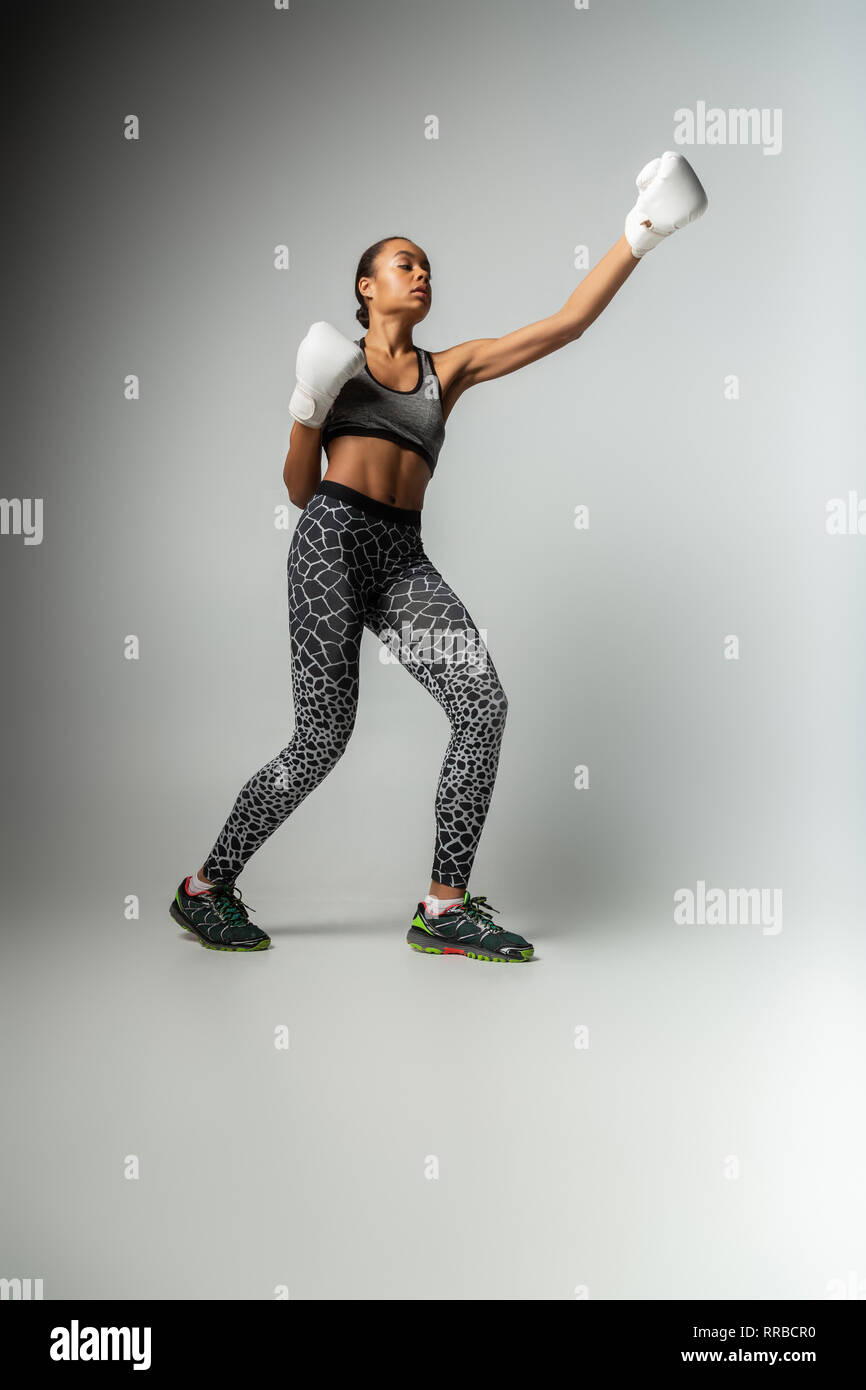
x=483 y=704
x=321 y=738
x=331 y=736
x=498 y=704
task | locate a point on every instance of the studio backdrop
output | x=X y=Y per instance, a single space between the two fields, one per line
x=659 y=529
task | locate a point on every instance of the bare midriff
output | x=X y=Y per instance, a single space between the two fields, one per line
x=379 y=468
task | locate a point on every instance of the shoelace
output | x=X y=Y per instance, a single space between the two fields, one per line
x=481 y=914
x=232 y=905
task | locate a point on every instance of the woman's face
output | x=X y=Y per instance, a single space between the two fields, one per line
x=402 y=272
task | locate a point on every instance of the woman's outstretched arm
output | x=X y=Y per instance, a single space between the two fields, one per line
x=597 y=289
x=484 y=359
x=670 y=196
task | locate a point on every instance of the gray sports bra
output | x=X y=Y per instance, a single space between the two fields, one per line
x=413 y=419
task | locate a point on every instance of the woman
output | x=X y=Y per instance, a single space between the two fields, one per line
x=379 y=406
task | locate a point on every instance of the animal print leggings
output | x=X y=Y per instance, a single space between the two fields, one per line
x=353 y=563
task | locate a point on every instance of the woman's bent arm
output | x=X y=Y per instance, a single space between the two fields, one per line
x=302 y=470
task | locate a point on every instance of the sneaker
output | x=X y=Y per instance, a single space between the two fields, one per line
x=466 y=930
x=218 y=918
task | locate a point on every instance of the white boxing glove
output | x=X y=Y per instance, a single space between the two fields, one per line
x=671 y=196
x=325 y=362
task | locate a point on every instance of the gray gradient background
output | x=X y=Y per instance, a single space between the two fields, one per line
x=603 y=1168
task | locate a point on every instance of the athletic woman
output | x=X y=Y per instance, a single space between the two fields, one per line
x=378 y=406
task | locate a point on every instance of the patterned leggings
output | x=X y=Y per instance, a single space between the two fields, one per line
x=353 y=563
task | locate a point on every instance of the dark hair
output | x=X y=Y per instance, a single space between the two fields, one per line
x=366 y=267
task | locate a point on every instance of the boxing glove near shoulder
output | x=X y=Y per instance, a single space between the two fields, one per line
x=671 y=195
x=325 y=362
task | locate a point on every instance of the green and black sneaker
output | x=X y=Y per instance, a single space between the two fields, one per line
x=466 y=930
x=218 y=917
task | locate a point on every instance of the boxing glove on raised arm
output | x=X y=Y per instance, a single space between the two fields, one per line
x=671 y=195
x=325 y=362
